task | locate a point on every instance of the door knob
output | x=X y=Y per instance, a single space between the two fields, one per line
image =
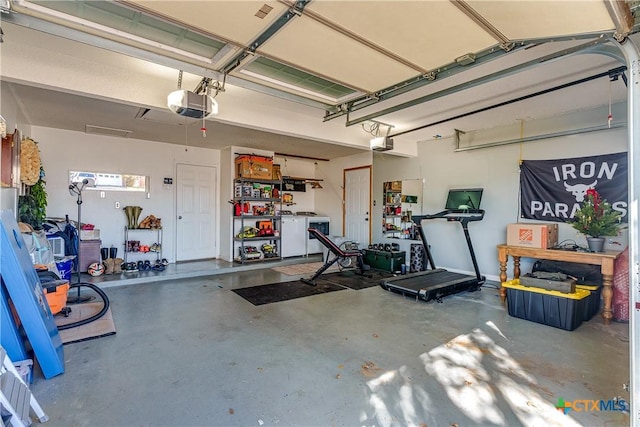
x=179 y=216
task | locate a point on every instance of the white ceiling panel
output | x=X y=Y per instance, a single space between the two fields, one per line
x=536 y=73
x=542 y=19
x=366 y=45
x=426 y=33
x=231 y=20
x=313 y=46
x=587 y=95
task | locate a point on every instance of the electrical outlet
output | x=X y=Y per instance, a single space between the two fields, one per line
x=102 y=195
x=117 y=205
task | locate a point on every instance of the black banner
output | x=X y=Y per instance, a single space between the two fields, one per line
x=552 y=190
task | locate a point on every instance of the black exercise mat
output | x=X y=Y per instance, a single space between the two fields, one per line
x=284 y=291
x=351 y=280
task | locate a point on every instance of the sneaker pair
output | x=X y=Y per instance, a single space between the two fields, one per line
x=130 y=267
x=144 y=265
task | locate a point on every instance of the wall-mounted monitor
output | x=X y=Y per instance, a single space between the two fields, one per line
x=464 y=198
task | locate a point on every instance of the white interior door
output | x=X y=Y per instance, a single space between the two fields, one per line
x=196 y=218
x=357 y=205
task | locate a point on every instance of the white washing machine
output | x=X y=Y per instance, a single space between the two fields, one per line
x=321 y=223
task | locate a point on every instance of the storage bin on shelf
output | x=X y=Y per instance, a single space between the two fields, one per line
x=255 y=167
x=551 y=308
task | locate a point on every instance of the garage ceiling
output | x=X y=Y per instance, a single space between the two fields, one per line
x=356 y=61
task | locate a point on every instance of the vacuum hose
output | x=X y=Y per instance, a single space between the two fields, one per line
x=96 y=316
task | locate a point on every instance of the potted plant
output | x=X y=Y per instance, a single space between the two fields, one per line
x=32 y=206
x=596 y=219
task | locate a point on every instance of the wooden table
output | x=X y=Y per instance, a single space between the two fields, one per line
x=604 y=259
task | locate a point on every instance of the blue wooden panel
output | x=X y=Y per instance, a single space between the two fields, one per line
x=10 y=338
x=25 y=290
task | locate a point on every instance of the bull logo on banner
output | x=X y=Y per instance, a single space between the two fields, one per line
x=553 y=190
x=580 y=190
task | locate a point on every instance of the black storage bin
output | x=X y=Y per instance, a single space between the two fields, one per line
x=592 y=305
x=552 y=308
x=384 y=260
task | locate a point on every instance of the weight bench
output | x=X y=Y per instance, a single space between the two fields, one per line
x=335 y=253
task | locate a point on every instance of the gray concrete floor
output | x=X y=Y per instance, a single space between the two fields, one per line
x=190 y=352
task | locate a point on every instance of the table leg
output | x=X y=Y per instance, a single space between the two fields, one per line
x=502 y=259
x=607 y=296
x=607 y=291
x=516 y=267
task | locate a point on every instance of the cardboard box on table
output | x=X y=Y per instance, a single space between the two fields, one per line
x=530 y=235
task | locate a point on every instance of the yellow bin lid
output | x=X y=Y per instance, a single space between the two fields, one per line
x=515 y=284
x=591 y=288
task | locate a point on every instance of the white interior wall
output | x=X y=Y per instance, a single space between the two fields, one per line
x=329 y=199
x=227 y=173
x=8 y=108
x=494 y=169
x=62 y=151
x=299 y=168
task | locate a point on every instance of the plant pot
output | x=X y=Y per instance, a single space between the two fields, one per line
x=595 y=244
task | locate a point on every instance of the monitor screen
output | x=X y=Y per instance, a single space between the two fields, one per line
x=468 y=198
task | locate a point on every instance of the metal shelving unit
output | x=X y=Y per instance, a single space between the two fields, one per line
x=249 y=246
x=392 y=210
x=157 y=252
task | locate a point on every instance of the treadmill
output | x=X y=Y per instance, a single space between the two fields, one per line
x=463 y=207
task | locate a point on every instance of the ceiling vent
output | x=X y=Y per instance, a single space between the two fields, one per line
x=264 y=11
x=100 y=130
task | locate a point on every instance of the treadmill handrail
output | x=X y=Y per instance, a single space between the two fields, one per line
x=450 y=214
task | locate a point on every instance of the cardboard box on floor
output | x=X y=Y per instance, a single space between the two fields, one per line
x=530 y=235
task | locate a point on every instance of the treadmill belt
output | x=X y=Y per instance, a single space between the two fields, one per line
x=432 y=284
